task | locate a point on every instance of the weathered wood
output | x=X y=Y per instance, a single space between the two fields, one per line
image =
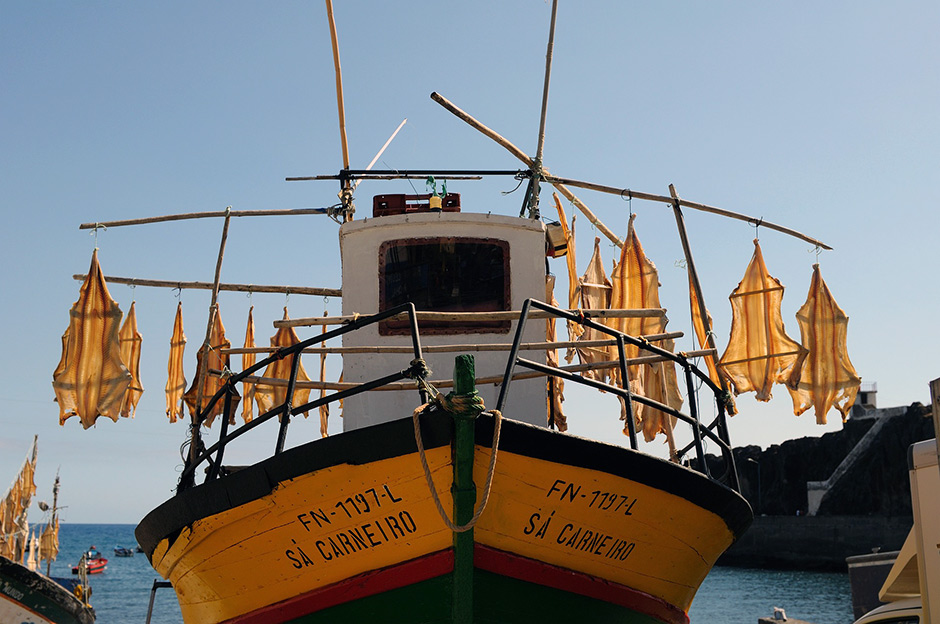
x=249 y=288
x=339 y=84
x=206 y=215
x=629 y=193
x=457 y=348
x=448 y=383
x=518 y=153
x=465 y=317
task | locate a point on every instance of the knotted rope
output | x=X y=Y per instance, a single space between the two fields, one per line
x=465 y=405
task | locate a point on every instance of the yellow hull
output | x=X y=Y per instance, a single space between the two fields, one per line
x=312 y=528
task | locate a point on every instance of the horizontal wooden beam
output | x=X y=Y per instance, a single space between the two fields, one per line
x=457 y=348
x=249 y=288
x=466 y=317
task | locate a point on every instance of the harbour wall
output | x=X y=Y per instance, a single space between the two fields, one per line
x=814 y=542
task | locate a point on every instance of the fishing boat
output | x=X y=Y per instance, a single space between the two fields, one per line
x=122 y=551
x=91 y=562
x=453 y=493
x=26 y=594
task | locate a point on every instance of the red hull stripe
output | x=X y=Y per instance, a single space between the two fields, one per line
x=368 y=584
x=524 y=569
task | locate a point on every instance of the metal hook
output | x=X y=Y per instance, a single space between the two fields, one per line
x=94 y=232
x=179 y=291
x=757 y=223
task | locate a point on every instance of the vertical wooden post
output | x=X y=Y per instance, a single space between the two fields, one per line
x=464 y=492
x=703 y=312
x=195 y=434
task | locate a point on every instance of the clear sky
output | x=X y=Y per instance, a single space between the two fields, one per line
x=819 y=116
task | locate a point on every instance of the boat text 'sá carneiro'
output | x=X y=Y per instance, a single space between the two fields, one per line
x=26 y=594
x=456 y=497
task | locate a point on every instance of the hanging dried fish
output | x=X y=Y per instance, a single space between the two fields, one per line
x=175 y=380
x=556 y=385
x=325 y=408
x=574 y=286
x=827 y=377
x=206 y=385
x=698 y=326
x=759 y=352
x=248 y=360
x=268 y=396
x=130 y=340
x=595 y=294
x=635 y=285
x=90 y=379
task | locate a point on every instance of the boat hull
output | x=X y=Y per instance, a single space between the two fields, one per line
x=347 y=525
x=31 y=598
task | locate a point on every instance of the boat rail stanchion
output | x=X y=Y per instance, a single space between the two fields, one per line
x=627 y=395
x=288 y=402
x=153 y=593
x=464 y=489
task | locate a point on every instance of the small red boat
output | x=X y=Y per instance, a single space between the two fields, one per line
x=93 y=561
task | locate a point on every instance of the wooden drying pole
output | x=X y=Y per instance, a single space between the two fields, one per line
x=248 y=288
x=345 y=193
x=290 y=212
x=195 y=434
x=535 y=180
x=518 y=153
x=447 y=383
x=466 y=317
x=459 y=348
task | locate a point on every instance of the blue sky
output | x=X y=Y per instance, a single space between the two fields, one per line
x=820 y=116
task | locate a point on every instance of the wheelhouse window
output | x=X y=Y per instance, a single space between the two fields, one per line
x=445 y=275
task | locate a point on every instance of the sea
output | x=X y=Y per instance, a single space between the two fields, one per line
x=728 y=596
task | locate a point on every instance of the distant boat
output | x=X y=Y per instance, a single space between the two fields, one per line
x=26 y=594
x=120 y=551
x=92 y=562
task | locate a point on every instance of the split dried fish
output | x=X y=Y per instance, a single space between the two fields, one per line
x=827 y=377
x=759 y=352
x=208 y=383
x=130 y=340
x=90 y=379
x=270 y=396
x=175 y=380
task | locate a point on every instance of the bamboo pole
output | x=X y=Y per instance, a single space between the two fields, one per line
x=381 y=151
x=628 y=193
x=458 y=348
x=339 y=84
x=535 y=181
x=697 y=286
x=448 y=383
x=464 y=317
x=518 y=153
x=249 y=288
x=195 y=434
x=205 y=215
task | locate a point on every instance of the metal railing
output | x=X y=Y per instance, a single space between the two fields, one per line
x=716 y=431
x=691 y=372
x=213 y=454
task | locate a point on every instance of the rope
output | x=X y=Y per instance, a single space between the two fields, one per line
x=497 y=425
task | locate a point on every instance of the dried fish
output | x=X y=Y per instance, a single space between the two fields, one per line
x=759 y=352
x=701 y=334
x=595 y=294
x=175 y=380
x=635 y=285
x=269 y=396
x=574 y=286
x=248 y=360
x=207 y=383
x=827 y=377
x=556 y=385
x=90 y=379
x=130 y=340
